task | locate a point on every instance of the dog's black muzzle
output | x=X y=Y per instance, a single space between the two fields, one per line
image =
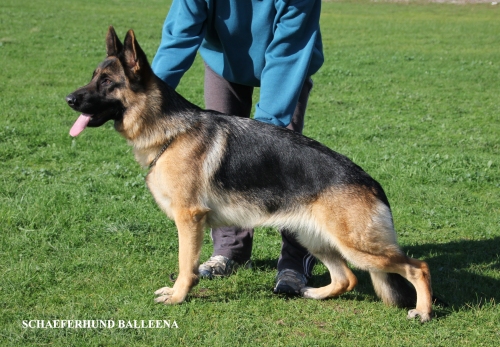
x=71 y=100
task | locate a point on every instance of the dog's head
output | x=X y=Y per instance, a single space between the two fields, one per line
x=114 y=85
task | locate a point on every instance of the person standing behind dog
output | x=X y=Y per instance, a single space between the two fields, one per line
x=272 y=44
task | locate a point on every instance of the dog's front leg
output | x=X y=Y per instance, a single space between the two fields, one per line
x=190 y=224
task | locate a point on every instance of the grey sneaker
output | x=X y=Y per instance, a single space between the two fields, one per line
x=220 y=266
x=289 y=282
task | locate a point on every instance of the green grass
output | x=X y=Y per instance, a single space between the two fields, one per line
x=410 y=92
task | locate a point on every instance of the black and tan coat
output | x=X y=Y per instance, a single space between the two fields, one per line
x=207 y=169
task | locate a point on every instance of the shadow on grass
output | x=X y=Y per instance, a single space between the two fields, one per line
x=458 y=272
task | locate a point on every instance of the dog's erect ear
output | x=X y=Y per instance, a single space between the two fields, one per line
x=113 y=44
x=134 y=56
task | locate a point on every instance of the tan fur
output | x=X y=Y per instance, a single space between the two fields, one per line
x=343 y=224
x=364 y=235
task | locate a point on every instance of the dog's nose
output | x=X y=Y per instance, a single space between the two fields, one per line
x=71 y=100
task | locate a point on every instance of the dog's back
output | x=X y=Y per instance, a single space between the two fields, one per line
x=283 y=164
x=273 y=167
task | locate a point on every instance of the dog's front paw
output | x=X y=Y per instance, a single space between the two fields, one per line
x=424 y=317
x=166 y=295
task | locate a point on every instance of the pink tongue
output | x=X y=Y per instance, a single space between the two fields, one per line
x=80 y=124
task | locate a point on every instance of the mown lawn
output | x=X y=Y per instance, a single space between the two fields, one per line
x=409 y=91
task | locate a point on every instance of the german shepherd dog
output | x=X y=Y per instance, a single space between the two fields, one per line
x=208 y=169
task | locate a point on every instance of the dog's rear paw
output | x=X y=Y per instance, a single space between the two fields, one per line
x=166 y=295
x=424 y=317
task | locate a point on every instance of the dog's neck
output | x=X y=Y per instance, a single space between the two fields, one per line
x=166 y=115
x=162 y=150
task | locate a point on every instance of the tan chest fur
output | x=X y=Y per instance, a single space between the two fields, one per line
x=176 y=181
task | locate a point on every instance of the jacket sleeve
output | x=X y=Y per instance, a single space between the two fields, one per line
x=182 y=34
x=296 y=41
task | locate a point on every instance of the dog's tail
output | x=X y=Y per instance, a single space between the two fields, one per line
x=394 y=289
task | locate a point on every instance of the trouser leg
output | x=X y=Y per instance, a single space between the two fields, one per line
x=293 y=255
x=232 y=99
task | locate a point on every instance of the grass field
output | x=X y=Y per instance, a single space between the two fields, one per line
x=409 y=91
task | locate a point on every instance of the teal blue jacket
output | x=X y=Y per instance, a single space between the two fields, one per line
x=271 y=44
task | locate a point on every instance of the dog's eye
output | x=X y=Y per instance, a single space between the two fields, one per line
x=106 y=82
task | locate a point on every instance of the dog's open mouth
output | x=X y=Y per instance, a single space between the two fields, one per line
x=80 y=124
x=91 y=120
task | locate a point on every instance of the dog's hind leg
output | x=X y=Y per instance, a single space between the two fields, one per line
x=389 y=271
x=343 y=280
x=364 y=235
x=390 y=284
x=369 y=243
x=190 y=224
